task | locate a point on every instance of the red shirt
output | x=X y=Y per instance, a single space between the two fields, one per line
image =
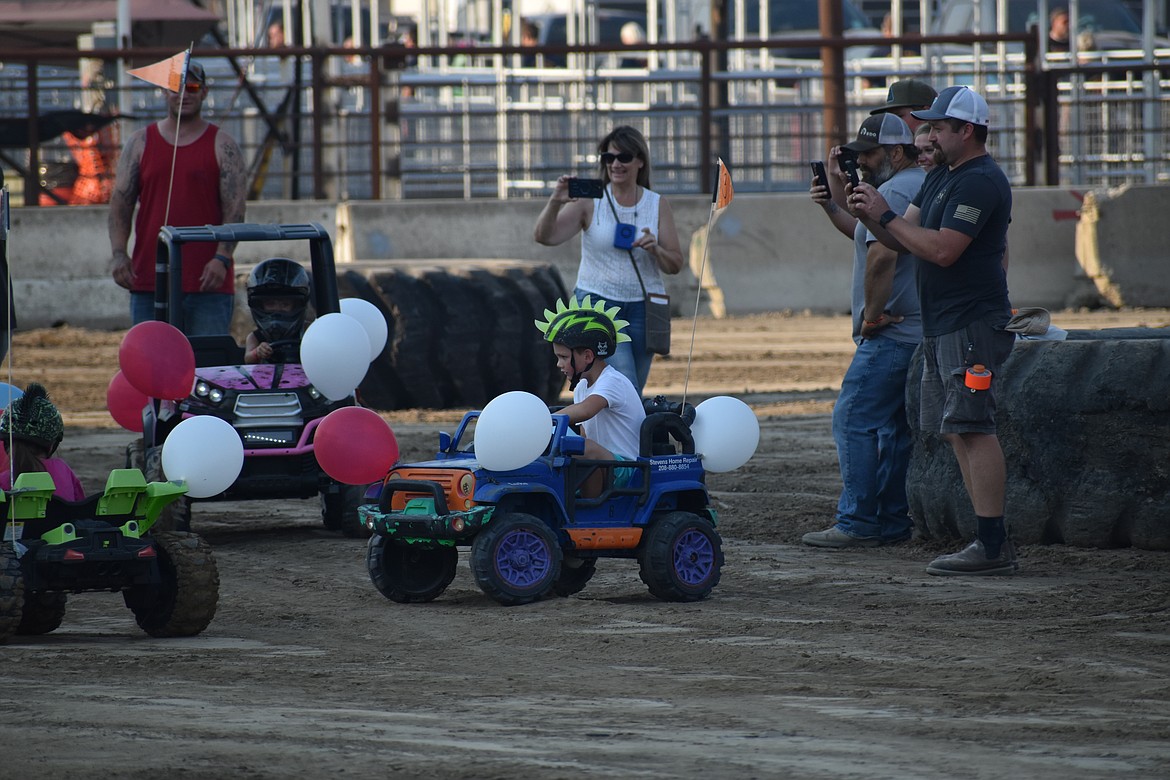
x=194 y=202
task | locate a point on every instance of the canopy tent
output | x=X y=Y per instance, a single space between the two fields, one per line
x=57 y=23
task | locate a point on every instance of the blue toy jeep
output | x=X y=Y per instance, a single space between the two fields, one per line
x=529 y=531
x=54 y=547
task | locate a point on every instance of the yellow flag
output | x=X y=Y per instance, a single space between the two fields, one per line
x=724 y=192
x=170 y=74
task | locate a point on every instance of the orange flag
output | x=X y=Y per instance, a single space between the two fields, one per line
x=724 y=192
x=170 y=74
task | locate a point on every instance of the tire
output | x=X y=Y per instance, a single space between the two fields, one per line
x=681 y=557
x=134 y=456
x=11 y=591
x=184 y=602
x=339 y=511
x=575 y=575
x=408 y=573
x=175 y=516
x=1081 y=423
x=516 y=559
x=458 y=335
x=42 y=613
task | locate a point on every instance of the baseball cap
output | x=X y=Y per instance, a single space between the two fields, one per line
x=195 y=72
x=907 y=93
x=879 y=130
x=960 y=103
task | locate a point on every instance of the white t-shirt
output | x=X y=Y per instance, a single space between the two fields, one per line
x=616 y=426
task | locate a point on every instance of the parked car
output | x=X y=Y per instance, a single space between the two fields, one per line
x=1112 y=24
x=801 y=19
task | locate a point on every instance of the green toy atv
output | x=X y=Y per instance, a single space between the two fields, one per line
x=53 y=547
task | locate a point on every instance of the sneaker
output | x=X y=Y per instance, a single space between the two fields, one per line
x=973 y=561
x=833 y=537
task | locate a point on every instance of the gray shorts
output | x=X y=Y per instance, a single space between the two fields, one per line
x=948 y=405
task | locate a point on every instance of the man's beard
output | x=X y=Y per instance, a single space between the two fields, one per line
x=884 y=173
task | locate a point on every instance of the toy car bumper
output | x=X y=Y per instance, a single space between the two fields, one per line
x=422 y=518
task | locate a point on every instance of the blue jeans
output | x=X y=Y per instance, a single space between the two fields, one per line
x=873 y=441
x=630 y=358
x=204 y=314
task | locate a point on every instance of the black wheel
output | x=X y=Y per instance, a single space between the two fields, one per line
x=339 y=510
x=42 y=613
x=575 y=574
x=681 y=557
x=184 y=602
x=11 y=591
x=135 y=459
x=516 y=559
x=175 y=516
x=406 y=573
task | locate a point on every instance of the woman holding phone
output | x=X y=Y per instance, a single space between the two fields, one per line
x=628 y=218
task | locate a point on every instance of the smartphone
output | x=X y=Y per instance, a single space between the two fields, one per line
x=818 y=169
x=850 y=166
x=586 y=188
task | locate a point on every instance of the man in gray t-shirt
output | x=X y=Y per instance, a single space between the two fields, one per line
x=869 y=419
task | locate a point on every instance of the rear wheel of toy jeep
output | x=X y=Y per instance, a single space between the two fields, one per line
x=11 y=591
x=175 y=516
x=516 y=559
x=339 y=510
x=575 y=574
x=408 y=573
x=42 y=613
x=681 y=557
x=184 y=601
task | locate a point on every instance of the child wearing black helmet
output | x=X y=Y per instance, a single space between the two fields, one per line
x=31 y=428
x=278 y=295
x=605 y=405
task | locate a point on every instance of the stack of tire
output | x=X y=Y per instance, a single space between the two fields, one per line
x=460 y=332
x=1085 y=429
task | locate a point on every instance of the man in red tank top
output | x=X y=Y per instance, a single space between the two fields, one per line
x=207 y=187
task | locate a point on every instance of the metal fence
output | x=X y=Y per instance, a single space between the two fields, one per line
x=460 y=123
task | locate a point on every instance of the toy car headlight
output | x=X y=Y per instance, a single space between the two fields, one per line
x=215 y=396
x=202 y=389
x=314 y=393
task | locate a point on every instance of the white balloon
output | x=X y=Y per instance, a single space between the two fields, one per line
x=371 y=318
x=206 y=453
x=512 y=431
x=726 y=433
x=335 y=353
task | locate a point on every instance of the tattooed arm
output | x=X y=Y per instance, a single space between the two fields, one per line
x=122 y=203
x=232 y=193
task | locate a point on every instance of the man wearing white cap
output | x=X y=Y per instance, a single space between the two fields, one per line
x=957 y=228
x=869 y=419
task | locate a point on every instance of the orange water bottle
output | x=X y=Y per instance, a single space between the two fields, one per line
x=978 y=377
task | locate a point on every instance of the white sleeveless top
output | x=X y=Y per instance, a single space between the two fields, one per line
x=606 y=270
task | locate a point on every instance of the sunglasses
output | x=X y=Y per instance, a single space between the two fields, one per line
x=193 y=87
x=608 y=158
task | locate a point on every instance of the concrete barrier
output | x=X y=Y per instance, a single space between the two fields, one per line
x=767 y=252
x=1122 y=244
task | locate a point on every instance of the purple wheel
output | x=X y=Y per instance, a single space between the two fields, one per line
x=516 y=559
x=681 y=557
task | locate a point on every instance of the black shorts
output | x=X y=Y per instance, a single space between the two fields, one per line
x=948 y=405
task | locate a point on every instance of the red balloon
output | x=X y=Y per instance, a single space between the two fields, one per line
x=158 y=360
x=355 y=446
x=125 y=403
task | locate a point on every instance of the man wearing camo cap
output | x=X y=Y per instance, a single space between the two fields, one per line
x=904 y=98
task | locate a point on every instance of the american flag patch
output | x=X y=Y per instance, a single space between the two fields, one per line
x=967 y=213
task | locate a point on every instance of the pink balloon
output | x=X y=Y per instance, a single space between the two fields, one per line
x=125 y=403
x=355 y=446
x=158 y=360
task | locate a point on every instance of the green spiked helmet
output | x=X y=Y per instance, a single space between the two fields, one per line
x=34 y=419
x=584 y=325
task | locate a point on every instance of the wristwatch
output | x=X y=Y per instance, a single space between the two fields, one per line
x=887 y=217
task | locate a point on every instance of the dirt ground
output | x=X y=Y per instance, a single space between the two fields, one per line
x=804 y=663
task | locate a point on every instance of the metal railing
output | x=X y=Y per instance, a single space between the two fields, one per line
x=470 y=123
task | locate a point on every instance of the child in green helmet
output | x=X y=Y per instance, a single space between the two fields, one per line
x=606 y=407
x=31 y=428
